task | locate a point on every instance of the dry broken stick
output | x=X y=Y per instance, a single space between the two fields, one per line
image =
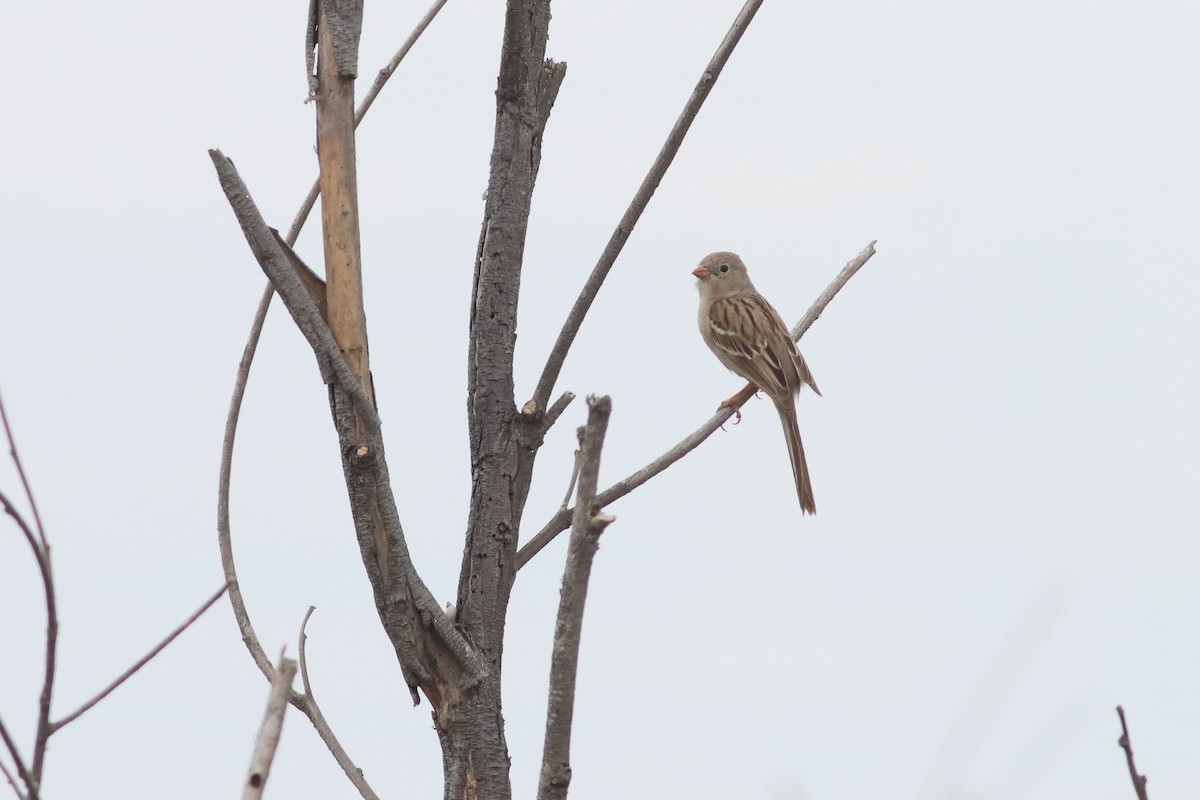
x=559 y=522
x=588 y=523
x=337 y=34
x=268 y=733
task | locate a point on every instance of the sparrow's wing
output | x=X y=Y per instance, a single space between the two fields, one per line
x=749 y=337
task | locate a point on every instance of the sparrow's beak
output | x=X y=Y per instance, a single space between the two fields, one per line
x=701 y=272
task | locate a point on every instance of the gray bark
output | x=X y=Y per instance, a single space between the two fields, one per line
x=503 y=440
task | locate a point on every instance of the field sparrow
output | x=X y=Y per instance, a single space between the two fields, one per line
x=751 y=339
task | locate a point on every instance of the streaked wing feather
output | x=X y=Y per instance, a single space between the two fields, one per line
x=765 y=357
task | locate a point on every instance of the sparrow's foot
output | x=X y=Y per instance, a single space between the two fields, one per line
x=737 y=400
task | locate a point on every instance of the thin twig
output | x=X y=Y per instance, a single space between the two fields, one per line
x=12 y=781
x=1139 y=780
x=311 y=710
x=127 y=674
x=268 y=733
x=559 y=522
x=579 y=433
x=41 y=552
x=556 y=409
x=587 y=525
x=308 y=704
x=391 y=66
x=558 y=355
x=303 y=659
x=18 y=763
x=20 y=467
x=310 y=200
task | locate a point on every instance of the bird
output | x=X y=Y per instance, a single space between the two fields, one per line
x=749 y=337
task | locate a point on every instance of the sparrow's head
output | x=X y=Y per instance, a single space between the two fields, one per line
x=722 y=273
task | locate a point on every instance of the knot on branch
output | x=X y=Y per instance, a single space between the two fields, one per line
x=360 y=457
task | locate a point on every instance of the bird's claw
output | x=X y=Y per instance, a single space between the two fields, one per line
x=731 y=404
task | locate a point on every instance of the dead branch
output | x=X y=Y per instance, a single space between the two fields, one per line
x=12 y=781
x=588 y=524
x=425 y=641
x=268 y=734
x=39 y=543
x=141 y=662
x=40 y=546
x=559 y=522
x=224 y=535
x=339 y=27
x=335 y=370
x=558 y=354
x=308 y=704
x=18 y=765
x=503 y=438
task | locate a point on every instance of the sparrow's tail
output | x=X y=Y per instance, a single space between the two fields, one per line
x=791 y=432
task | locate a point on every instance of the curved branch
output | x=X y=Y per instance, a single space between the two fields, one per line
x=559 y=522
x=558 y=355
x=224 y=534
x=308 y=704
x=424 y=640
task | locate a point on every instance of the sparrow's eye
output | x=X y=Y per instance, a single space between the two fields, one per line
x=723 y=268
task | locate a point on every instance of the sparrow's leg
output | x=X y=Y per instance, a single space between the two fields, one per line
x=741 y=397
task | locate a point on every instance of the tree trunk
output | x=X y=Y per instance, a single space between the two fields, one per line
x=503 y=439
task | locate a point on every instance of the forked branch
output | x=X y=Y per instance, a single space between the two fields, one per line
x=426 y=642
x=35 y=535
x=224 y=532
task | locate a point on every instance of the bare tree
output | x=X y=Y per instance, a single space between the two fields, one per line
x=24 y=776
x=455 y=660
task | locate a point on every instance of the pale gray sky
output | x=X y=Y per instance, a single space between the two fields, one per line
x=1005 y=458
